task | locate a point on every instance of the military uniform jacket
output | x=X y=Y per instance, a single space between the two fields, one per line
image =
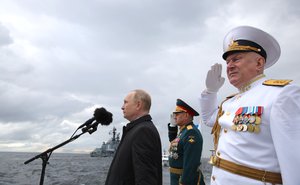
x=185 y=153
x=138 y=159
x=275 y=147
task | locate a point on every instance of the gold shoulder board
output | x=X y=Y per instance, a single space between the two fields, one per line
x=273 y=82
x=189 y=127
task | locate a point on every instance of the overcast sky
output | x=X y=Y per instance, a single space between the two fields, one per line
x=61 y=59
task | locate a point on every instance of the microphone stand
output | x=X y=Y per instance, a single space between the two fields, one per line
x=46 y=154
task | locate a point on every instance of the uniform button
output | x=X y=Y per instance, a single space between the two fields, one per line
x=227 y=113
x=218 y=153
x=225 y=130
x=213 y=178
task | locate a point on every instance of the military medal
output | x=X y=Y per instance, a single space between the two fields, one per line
x=256 y=129
x=236 y=119
x=240 y=119
x=175 y=155
x=250 y=128
x=252 y=119
x=245 y=128
x=247 y=119
x=259 y=113
x=173 y=147
x=257 y=120
x=239 y=127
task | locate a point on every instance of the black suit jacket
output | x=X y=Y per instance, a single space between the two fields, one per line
x=138 y=160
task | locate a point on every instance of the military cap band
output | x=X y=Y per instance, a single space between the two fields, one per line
x=244 y=46
x=183 y=109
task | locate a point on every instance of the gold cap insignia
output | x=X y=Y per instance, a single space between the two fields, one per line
x=235 y=46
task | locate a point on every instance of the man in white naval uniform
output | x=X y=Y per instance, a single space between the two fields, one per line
x=256 y=131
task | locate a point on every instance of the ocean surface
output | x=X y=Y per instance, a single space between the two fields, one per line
x=63 y=169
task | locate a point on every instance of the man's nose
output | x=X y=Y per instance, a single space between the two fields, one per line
x=230 y=64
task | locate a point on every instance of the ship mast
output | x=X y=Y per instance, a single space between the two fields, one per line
x=114 y=134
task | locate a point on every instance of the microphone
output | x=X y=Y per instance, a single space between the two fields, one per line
x=101 y=115
x=88 y=122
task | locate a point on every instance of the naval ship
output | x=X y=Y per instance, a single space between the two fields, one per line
x=108 y=148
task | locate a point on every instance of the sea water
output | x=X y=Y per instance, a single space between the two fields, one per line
x=63 y=169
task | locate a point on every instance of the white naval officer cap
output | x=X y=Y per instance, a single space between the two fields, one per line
x=247 y=38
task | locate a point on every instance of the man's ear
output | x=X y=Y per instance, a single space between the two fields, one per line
x=261 y=62
x=139 y=105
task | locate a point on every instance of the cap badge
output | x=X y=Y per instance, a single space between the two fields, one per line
x=235 y=46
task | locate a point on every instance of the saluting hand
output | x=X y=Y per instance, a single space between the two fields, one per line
x=172 y=120
x=214 y=80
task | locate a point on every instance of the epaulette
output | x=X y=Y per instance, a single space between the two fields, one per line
x=273 y=82
x=189 y=127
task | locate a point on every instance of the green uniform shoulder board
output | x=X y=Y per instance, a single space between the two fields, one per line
x=273 y=82
x=189 y=127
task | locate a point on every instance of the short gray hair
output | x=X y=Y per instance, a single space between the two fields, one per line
x=143 y=96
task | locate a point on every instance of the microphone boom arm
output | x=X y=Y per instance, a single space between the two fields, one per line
x=46 y=154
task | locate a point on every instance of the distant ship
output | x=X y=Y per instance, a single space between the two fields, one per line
x=108 y=148
x=165 y=159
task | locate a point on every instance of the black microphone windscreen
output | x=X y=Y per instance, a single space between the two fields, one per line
x=103 y=116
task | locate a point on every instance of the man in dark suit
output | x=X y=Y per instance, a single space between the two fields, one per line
x=138 y=160
x=186 y=148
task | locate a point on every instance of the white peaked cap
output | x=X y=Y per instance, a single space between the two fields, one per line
x=252 y=38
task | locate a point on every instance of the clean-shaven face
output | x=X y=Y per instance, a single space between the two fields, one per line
x=241 y=68
x=130 y=107
x=180 y=118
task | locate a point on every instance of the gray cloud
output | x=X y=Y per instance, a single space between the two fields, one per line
x=5 y=38
x=62 y=59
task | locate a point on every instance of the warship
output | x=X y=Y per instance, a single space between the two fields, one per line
x=165 y=159
x=108 y=148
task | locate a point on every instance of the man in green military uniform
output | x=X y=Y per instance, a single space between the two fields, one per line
x=186 y=148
